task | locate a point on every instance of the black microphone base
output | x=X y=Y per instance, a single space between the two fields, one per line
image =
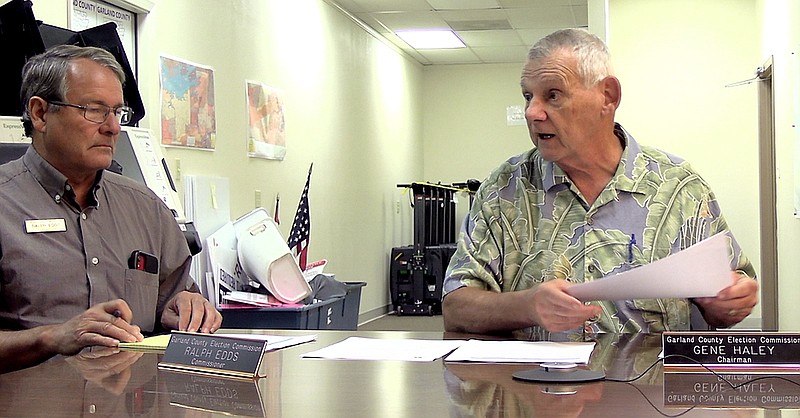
x=574 y=376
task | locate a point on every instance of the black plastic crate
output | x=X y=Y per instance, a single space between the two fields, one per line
x=335 y=313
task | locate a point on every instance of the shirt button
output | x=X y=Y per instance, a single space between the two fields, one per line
x=590 y=220
x=83 y=216
x=57 y=198
x=592 y=269
x=95 y=261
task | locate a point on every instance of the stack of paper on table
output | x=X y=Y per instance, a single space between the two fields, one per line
x=359 y=348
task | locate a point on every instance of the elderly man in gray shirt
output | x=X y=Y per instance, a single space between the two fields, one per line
x=87 y=257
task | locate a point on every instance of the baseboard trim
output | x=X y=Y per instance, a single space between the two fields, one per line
x=374 y=314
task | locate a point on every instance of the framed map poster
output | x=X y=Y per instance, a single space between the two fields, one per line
x=188 y=117
x=266 y=123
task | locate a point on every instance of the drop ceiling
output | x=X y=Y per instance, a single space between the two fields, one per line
x=494 y=31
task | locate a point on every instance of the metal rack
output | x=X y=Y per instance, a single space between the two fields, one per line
x=417 y=271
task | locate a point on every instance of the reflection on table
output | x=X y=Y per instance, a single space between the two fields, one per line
x=107 y=382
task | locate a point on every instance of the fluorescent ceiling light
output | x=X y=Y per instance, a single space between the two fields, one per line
x=431 y=39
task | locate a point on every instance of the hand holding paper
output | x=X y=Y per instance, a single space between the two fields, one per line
x=732 y=304
x=701 y=270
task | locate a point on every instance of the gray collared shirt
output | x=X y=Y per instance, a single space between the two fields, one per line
x=57 y=260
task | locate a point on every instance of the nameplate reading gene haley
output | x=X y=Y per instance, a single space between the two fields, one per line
x=756 y=350
x=206 y=353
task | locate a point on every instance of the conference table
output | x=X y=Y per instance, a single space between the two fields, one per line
x=110 y=383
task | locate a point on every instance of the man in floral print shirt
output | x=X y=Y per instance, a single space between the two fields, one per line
x=587 y=201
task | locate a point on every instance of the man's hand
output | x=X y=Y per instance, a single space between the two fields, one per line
x=189 y=311
x=548 y=305
x=555 y=310
x=108 y=368
x=105 y=324
x=732 y=304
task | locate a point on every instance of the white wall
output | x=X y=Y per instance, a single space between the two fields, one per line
x=464 y=130
x=465 y=134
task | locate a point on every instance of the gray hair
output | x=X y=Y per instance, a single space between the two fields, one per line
x=594 y=60
x=45 y=75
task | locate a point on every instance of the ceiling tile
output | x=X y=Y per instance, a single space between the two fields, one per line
x=463 y=4
x=509 y=4
x=541 y=17
x=483 y=14
x=391 y=5
x=369 y=20
x=485 y=25
x=490 y=38
x=411 y=20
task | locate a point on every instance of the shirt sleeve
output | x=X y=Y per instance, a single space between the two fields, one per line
x=175 y=265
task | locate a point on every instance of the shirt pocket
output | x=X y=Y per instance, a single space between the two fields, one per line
x=141 y=294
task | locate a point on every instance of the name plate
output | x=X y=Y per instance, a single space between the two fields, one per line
x=770 y=350
x=215 y=394
x=208 y=354
x=706 y=390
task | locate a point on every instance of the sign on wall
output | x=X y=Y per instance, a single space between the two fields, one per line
x=85 y=14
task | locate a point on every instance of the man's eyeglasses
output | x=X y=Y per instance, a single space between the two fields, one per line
x=98 y=113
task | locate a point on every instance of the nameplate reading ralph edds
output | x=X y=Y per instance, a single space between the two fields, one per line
x=208 y=354
x=732 y=349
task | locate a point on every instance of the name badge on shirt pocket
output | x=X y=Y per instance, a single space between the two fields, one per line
x=33 y=226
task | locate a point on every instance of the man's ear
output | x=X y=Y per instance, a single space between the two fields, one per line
x=612 y=93
x=37 y=108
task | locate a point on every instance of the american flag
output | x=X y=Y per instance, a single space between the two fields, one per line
x=277 y=216
x=301 y=227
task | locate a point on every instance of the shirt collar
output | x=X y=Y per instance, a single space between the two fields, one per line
x=623 y=177
x=53 y=181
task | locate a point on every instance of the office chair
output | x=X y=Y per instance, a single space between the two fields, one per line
x=10 y=151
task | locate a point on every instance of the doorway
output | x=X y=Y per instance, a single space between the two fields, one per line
x=767 y=199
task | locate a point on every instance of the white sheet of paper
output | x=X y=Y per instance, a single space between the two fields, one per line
x=274 y=342
x=522 y=352
x=359 y=348
x=698 y=271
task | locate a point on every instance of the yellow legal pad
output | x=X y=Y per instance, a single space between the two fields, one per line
x=154 y=343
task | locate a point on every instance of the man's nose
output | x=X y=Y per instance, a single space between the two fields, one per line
x=535 y=111
x=111 y=125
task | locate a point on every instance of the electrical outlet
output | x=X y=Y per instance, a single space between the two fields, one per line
x=177 y=169
x=258 y=198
